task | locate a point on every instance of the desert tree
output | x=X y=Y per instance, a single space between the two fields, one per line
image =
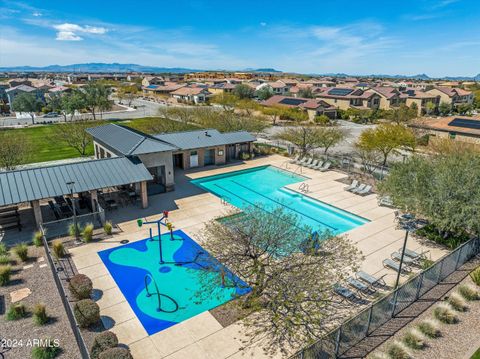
x=444 y=108
x=14 y=150
x=290 y=272
x=403 y=114
x=264 y=93
x=329 y=137
x=306 y=138
x=73 y=135
x=95 y=97
x=243 y=91
x=306 y=92
x=27 y=102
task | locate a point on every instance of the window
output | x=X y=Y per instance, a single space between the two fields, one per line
x=193 y=153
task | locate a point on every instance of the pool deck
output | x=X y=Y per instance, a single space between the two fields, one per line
x=190 y=208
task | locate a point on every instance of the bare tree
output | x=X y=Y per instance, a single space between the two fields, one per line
x=289 y=268
x=14 y=150
x=74 y=135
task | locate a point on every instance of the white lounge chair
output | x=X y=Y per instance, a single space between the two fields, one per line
x=361 y=187
x=309 y=161
x=293 y=160
x=353 y=185
x=301 y=160
x=318 y=166
x=313 y=164
x=325 y=167
x=364 y=191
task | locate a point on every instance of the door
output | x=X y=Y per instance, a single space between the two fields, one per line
x=230 y=152
x=193 y=159
x=209 y=157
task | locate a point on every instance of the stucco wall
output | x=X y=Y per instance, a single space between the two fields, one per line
x=160 y=159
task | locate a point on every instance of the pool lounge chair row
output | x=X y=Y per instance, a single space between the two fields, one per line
x=363 y=283
x=359 y=188
x=411 y=258
x=309 y=162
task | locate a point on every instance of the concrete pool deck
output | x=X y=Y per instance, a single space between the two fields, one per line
x=190 y=208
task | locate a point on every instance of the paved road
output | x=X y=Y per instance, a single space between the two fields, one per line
x=144 y=109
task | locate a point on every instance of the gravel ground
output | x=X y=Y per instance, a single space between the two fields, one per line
x=457 y=341
x=20 y=333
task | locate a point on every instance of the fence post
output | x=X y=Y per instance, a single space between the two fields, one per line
x=419 y=286
x=457 y=262
x=369 y=320
x=337 y=340
x=440 y=271
x=394 y=302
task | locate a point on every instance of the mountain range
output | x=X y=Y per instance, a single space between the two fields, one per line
x=99 y=67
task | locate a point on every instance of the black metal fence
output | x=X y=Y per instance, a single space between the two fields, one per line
x=61 y=228
x=61 y=290
x=363 y=324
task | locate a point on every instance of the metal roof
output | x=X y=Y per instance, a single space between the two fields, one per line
x=46 y=182
x=204 y=138
x=126 y=141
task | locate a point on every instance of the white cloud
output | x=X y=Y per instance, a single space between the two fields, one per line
x=36 y=14
x=263 y=24
x=69 y=32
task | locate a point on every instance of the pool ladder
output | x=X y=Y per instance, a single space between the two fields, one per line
x=304 y=187
x=224 y=200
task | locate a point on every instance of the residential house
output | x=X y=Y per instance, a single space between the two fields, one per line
x=153 y=80
x=313 y=107
x=191 y=94
x=453 y=96
x=278 y=87
x=220 y=88
x=463 y=129
x=165 y=89
x=344 y=98
x=13 y=92
x=421 y=99
x=390 y=97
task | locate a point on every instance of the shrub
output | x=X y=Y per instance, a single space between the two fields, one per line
x=40 y=316
x=429 y=328
x=58 y=249
x=5 y=273
x=71 y=229
x=457 y=302
x=475 y=275
x=80 y=286
x=16 y=311
x=21 y=250
x=397 y=350
x=46 y=351
x=102 y=342
x=116 y=353
x=108 y=227
x=37 y=239
x=4 y=259
x=86 y=312
x=3 y=249
x=450 y=240
x=414 y=339
x=444 y=313
x=469 y=292
x=87 y=233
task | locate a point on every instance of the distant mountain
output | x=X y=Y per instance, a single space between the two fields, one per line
x=98 y=67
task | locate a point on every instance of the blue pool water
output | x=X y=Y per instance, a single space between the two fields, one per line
x=265 y=185
x=180 y=285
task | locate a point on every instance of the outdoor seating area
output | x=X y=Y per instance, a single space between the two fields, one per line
x=364 y=287
x=310 y=162
x=360 y=189
x=9 y=218
x=115 y=197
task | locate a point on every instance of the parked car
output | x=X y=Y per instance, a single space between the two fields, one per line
x=51 y=114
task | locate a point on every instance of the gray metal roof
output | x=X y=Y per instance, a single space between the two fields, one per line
x=127 y=141
x=204 y=138
x=46 y=182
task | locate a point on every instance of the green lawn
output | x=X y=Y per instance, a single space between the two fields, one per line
x=476 y=355
x=44 y=148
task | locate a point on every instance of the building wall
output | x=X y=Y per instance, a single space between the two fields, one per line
x=457 y=137
x=160 y=159
x=443 y=96
x=102 y=152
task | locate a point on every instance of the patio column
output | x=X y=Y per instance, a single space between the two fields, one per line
x=143 y=194
x=37 y=212
x=94 y=199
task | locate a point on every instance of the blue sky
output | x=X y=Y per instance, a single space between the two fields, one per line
x=437 y=37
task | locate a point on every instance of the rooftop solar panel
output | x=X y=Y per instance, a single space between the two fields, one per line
x=340 y=92
x=465 y=123
x=292 y=101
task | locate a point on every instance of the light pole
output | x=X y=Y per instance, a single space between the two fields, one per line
x=408 y=224
x=74 y=209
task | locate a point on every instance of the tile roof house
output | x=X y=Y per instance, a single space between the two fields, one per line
x=453 y=96
x=13 y=92
x=313 y=107
x=390 y=97
x=191 y=94
x=458 y=128
x=345 y=97
x=421 y=99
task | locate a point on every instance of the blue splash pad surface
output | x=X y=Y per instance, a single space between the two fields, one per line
x=129 y=264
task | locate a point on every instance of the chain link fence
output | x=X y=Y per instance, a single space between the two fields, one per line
x=363 y=324
x=61 y=228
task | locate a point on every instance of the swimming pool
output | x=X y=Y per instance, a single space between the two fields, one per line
x=136 y=269
x=265 y=185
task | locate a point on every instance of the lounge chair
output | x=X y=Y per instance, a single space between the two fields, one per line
x=353 y=185
x=361 y=187
x=362 y=287
x=365 y=191
x=325 y=167
x=309 y=161
x=313 y=164
x=301 y=160
x=385 y=201
x=344 y=292
x=390 y=263
x=413 y=254
x=370 y=279
x=406 y=259
x=293 y=160
x=320 y=165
